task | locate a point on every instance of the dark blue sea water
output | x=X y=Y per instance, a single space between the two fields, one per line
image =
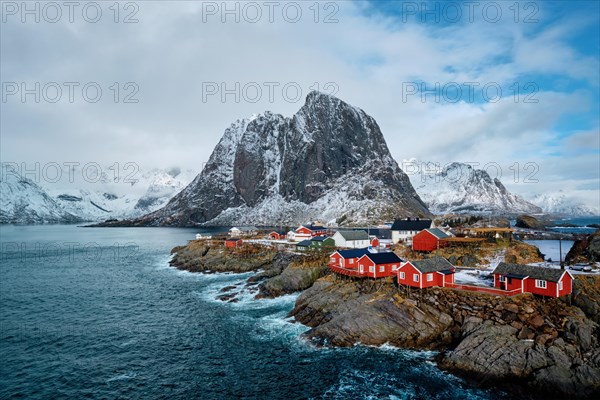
x=581 y=222
x=98 y=313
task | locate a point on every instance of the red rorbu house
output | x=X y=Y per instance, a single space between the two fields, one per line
x=429 y=240
x=375 y=241
x=551 y=282
x=436 y=271
x=307 y=232
x=233 y=243
x=346 y=258
x=277 y=235
x=379 y=265
x=364 y=264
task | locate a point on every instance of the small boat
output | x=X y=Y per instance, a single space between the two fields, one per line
x=199 y=236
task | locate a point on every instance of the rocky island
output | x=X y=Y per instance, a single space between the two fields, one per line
x=545 y=348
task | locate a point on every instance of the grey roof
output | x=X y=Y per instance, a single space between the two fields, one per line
x=320 y=238
x=381 y=233
x=438 y=233
x=434 y=264
x=547 y=274
x=354 y=235
x=411 y=224
x=304 y=243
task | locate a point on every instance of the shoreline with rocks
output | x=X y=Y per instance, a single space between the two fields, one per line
x=525 y=345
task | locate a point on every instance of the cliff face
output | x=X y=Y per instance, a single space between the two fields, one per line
x=329 y=162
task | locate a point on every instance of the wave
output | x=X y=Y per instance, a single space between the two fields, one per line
x=121 y=377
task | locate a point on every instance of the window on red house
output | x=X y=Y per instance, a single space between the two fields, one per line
x=541 y=284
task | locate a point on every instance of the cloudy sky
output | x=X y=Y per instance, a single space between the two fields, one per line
x=508 y=86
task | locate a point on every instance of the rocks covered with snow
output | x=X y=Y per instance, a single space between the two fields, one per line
x=329 y=162
x=459 y=188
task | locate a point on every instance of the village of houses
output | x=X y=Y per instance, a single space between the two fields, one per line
x=367 y=254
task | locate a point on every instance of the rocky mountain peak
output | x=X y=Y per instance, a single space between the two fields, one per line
x=459 y=187
x=272 y=170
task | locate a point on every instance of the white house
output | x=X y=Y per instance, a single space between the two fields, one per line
x=404 y=229
x=352 y=239
x=243 y=231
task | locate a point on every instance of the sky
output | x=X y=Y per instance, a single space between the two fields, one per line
x=512 y=87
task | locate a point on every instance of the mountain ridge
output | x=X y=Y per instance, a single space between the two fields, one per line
x=329 y=161
x=460 y=188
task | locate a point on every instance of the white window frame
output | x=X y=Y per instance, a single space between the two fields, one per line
x=394 y=267
x=382 y=268
x=502 y=278
x=416 y=277
x=351 y=261
x=541 y=284
x=402 y=275
x=560 y=285
x=372 y=269
x=430 y=277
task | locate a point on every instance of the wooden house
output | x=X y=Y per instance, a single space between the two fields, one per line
x=352 y=239
x=403 y=230
x=347 y=258
x=436 y=271
x=379 y=265
x=551 y=282
x=275 y=235
x=429 y=240
x=233 y=243
x=307 y=232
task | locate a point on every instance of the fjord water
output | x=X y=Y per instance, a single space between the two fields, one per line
x=98 y=313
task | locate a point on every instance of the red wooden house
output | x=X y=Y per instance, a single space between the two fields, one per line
x=277 y=235
x=375 y=242
x=436 y=271
x=429 y=240
x=346 y=258
x=379 y=265
x=307 y=232
x=233 y=243
x=551 y=282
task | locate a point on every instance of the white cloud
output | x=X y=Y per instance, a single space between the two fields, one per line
x=171 y=52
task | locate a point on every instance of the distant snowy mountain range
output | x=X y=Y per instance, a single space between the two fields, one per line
x=328 y=162
x=561 y=204
x=24 y=201
x=460 y=188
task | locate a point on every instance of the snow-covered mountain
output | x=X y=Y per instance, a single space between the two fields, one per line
x=560 y=204
x=150 y=191
x=328 y=162
x=459 y=188
x=22 y=201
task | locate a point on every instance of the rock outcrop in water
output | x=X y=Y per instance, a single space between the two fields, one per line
x=328 y=162
x=542 y=346
x=585 y=250
x=278 y=273
x=529 y=222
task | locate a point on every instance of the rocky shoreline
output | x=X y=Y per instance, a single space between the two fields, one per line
x=534 y=347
